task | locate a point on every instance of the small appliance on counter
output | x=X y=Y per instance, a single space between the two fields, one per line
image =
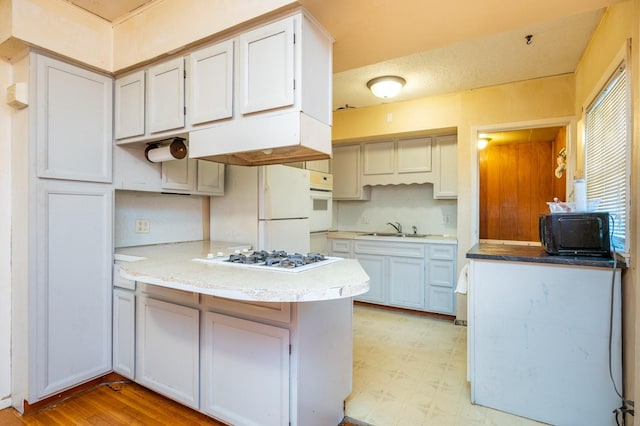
x=575 y=234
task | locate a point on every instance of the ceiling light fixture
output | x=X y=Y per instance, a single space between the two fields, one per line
x=483 y=142
x=387 y=86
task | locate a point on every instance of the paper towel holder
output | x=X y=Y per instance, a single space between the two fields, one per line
x=176 y=148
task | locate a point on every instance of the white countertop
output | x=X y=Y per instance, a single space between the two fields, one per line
x=172 y=265
x=361 y=235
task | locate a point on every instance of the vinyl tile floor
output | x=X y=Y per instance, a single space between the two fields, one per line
x=411 y=370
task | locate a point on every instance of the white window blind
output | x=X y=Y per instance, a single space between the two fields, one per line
x=607 y=153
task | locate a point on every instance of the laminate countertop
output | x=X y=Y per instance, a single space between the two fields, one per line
x=536 y=254
x=175 y=266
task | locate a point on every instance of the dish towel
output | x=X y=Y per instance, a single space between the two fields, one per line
x=463 y=280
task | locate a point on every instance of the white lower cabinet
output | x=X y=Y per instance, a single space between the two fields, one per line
x=245 y=366
x=411 y=275
x=375 y=267
x=406 y=282
x=124 y=344
x=167 y=352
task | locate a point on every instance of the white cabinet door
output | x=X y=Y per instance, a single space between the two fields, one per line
x=406 y=282
x=165 y=96
x=179 y=174
x=375 y=267
x=193 y=176
x=347 y=168
x=132 y=171
x=72 y=296
x=446 y=156
x=129 y=105
x=414 y=155
x=124 y=308
x=267 y=67
x=210 y=178
x=379 y=158
x=168 y=347
x=74 y=122
x=245 y=368
x=211 y=83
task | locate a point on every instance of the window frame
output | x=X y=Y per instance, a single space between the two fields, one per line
x=621 y=60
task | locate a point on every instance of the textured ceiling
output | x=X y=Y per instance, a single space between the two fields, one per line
x=438 y=46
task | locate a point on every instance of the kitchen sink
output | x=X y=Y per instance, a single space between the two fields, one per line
x=395 y=234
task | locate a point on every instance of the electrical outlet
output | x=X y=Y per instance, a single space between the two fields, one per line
x=142 y=226
x=446 y=219
x=364 y=220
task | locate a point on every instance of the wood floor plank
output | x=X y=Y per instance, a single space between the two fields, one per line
x=111 y=404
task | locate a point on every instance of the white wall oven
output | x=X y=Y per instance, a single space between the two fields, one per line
x=321 y=186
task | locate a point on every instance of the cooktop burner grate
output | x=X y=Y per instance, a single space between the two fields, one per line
x=276 y=260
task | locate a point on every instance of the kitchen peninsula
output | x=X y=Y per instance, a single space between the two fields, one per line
x=545 y=334
x=243 y=345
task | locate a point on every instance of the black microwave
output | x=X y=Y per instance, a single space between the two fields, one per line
x=577 y=234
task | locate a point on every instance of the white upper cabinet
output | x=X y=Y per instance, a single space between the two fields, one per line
x=69 y=94
x=446 y=158
x=267 y=67
x=428 y=159
x=414 y=155
x=129 y=105
x=210 y=178
x=193 y=177
x=276 y=77
x=346 y=166
x=396 y=162
x=379 y=158
x=165 y=97
x=210 y=82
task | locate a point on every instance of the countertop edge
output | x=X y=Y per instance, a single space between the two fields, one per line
x=536 y=254
x=172 y=266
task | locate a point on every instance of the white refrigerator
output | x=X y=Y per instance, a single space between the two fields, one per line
x=265 y=206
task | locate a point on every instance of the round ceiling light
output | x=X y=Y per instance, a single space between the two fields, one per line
x=387 y=86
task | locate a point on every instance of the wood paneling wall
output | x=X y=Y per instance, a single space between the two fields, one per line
x=516 y=181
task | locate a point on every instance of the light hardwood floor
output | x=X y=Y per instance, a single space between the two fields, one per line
x=123 y=403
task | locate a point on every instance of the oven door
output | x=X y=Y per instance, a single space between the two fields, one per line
x=321 y=210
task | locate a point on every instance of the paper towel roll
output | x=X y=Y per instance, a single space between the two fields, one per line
x=580 y=194
x=176 y=150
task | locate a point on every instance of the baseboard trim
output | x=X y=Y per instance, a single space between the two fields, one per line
x=55 y=399
x=408 y=311
x=5 y=403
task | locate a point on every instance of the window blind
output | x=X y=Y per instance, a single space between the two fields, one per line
x=607 y=153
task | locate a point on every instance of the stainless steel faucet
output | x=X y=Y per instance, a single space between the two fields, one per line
x=396 y=226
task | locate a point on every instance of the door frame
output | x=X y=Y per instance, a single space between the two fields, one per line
x=571 y=125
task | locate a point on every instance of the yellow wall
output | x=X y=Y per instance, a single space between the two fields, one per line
x=60 y=27
x=169 y=25
x=56 y=26
x=621 y=22
x=510 y=103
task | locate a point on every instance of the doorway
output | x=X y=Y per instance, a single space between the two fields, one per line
x=519 y=171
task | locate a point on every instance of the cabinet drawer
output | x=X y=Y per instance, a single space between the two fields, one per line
x=275 y=311
x=119 y=281
x=441 y=273
x=341 y=246
x=442 y=252
x=170 y=294
x=389 y=248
